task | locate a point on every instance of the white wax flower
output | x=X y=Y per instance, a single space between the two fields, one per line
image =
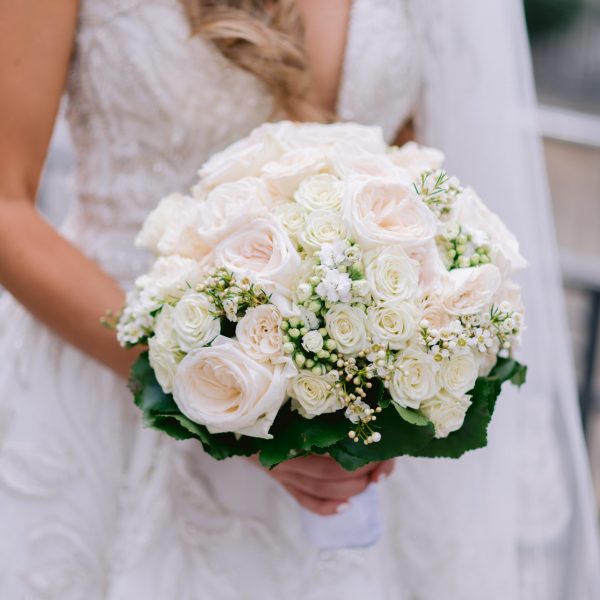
x=226 y=390
x=193 y=323
x=320 y=192
x=230 y=206
x=259 y=333
x=458 y=373
x=312 y=342
x=391 y=274
x=347 y=326
x=446 y=412
x=386 y=212
x=321 y=227
x=335 y=286
x=413 y=379
x=313 y=395
x=262 y=249
x=393 y=324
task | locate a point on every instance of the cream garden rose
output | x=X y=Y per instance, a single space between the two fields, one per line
x=413 y=379
x=193 y=323
x=386 y=212
x=262 y=249
x=392 y=324
x=230 y=206
x=391 y=274
x=226 y=390
x=446 y=412
x=470 y=290
x=313 y=395
x=347 y=326
x=320 y=192
x=259 y=333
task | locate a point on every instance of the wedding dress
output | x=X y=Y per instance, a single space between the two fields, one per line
x=95 y=507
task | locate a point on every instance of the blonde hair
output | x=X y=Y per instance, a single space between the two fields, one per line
x=265 y=39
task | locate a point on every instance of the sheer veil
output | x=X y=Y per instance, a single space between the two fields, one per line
x=478 y=105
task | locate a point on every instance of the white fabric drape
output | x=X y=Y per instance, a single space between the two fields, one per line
x=478 y=105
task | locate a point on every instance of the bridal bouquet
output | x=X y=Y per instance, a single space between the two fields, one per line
x=320 y=292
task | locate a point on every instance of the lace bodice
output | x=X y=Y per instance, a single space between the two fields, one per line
x=148 y=104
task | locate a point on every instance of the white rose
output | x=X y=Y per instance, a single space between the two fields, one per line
x=291 y=217
x=361 y=288
x=347 y=326
x=313 y=395
x=259 y=333
x=284 y=175
x=229 y=207
x=393 y=324
x=169 y=228
x=472 y=212
x=351 y=159
x=391 y=274
x=416 y=159
x=470 y=290
x=320 y=192
x=386 y=212
x=312 y=342
x=263 y=249
x=446 y=412
x=224 y=389
x=316 y=134
x=413 y=379
x=321 y=227
x=244 y=158
x=163 y=349
x=193 y=322
x=169 y=278
x=458 y=373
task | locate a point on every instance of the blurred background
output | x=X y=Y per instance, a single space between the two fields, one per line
x=565 y=42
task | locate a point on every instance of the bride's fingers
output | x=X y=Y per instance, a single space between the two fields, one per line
x=382 y=470
x=324 y=468
x=316 y=505
x=326 y=490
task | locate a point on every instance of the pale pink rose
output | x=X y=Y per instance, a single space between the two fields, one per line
x=470 y=290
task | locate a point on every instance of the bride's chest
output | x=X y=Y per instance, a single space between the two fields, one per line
x=141 y=80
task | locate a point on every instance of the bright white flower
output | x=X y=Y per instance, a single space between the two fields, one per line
x=259 y=333
x=470 y=290
x=313 y=395
x=458 y=374
x=312 y=342
x=264 y=250
x=361 y=288
x=169 y=228
x=245 y=158
x=230 y=206
x=391 y=274
x=386 y=212
x=304 y=291
x=347 y=326
x=413 y=379
x=470 y=211
x=224 y=389
x=446 y=412
x=284 y=175
x=320 y=192
x=334 y=254
x=291 y=217
x=193 y=323
x=335 y=286
x=393 y=324
x=321 y=227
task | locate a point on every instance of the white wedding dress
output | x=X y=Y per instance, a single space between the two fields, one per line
x=95 y=507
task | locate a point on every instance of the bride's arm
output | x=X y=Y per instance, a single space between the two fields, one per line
x=59 y=285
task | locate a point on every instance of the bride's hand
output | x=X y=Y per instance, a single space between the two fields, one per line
x=321 y=485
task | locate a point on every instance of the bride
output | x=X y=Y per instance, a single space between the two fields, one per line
x=95 y=507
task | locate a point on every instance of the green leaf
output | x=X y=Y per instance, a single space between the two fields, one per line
x=412 y=416
x=148 y=395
